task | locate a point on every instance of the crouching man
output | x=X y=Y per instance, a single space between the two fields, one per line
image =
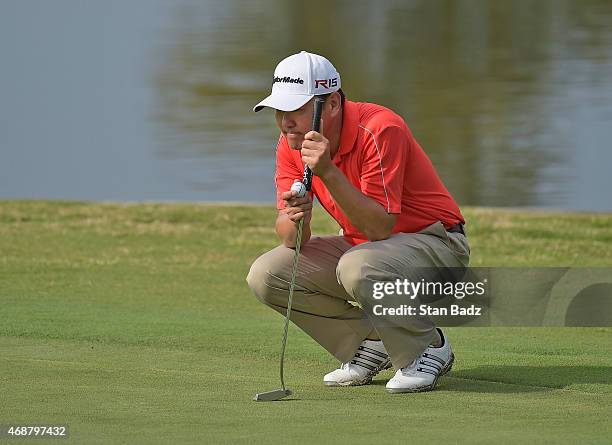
x=397 y=219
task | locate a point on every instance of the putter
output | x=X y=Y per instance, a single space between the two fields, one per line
x=283 y=392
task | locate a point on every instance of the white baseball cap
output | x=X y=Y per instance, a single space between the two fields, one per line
x=299 y=78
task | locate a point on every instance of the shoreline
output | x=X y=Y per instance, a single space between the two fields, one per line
x=501 y=209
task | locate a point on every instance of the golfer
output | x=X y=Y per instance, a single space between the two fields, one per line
x=397 y=220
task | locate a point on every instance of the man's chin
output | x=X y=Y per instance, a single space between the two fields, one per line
x=295 y=143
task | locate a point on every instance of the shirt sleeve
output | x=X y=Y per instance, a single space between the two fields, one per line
x=384 y=165
x=286 y=171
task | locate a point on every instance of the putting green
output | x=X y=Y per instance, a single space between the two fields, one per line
x=133 y=323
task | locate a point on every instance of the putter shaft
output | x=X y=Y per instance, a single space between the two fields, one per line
x=284 y=392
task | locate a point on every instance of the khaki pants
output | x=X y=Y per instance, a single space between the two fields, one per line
x=332 y=272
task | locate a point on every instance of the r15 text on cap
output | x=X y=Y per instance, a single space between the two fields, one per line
x=326 y=83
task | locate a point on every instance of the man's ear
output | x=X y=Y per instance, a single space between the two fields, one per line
x=335 y=103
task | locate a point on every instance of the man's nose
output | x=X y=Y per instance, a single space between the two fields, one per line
x=288 y=122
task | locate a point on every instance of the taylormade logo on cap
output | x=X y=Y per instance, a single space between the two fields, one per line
x=299 y=78
x=287 y=80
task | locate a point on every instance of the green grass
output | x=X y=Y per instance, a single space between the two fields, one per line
x=133 y=324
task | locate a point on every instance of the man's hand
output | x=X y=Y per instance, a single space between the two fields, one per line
x=316 y=153
x=297 y=208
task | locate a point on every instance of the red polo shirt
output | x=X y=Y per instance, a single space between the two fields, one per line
x=380 y=157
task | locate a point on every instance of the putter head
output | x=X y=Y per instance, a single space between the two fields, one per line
x=270 y=396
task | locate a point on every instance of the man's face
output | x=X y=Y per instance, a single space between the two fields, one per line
x=295 y=124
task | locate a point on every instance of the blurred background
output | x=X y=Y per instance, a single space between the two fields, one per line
x=137 y=100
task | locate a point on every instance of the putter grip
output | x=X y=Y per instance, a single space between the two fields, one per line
x=316 y=126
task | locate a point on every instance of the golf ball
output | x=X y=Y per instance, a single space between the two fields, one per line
x=300 y=188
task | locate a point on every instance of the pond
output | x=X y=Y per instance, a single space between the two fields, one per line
x=151 y=100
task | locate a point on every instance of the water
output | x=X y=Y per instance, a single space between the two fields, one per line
x=151 y=100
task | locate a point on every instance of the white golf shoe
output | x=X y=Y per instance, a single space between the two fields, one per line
x=371 y=358
x=423 y=373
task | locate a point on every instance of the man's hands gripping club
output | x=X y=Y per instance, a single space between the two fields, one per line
x=315 y=154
